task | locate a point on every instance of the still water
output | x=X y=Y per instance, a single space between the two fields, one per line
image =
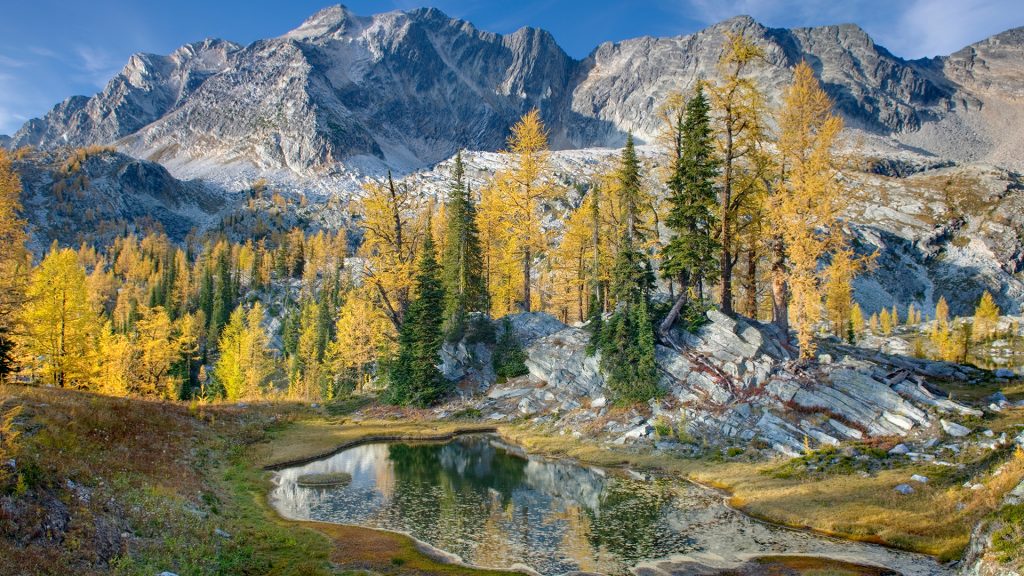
x=493 y=506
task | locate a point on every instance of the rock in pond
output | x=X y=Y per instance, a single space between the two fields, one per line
x=324 y=479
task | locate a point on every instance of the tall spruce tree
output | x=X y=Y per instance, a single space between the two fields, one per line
x=691 y=257
x=626 y=340
x=413 y=376
x=462 y=260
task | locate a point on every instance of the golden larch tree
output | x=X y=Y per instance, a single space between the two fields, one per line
x=61 y=327
x=520 y=191
x=806 y=205
x=392 y=222
x=738 y=114
x=986 y=317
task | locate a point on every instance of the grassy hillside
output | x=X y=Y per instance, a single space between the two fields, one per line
x=129 y=486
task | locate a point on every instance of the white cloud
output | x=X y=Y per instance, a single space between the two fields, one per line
x=96 y=64
x=940 y=27
x=8 y=62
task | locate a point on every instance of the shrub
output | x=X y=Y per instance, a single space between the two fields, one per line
x=509 y=358
x=662 y=427
x=1008 y=541
x=8 y=444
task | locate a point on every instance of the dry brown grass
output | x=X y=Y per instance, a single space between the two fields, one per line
x=168 y=474
x=152 y=459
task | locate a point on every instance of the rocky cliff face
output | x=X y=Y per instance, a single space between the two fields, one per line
x=93 y=197
x=406 y=89
x=343 y=96
x=148 y=88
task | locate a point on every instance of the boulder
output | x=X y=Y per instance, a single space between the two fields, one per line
x=904 y=489
x=529 y=406
x=954 y=429
x=532 y=326
x=641 y=431
x=560 y=359
x=920 y=479
x=845 y=430
x=899 y=450
x=1004 y=373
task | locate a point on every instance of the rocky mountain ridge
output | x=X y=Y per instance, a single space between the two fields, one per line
x=405 y=90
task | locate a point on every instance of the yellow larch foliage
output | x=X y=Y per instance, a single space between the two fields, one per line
x=571 y=266
x=513 y=201
x=61 y=327
x=809 y=199
x=392 y=222
x=839 y=293
x=885 y=322
x=857 y=319
x=738 y=114
x=941 y=311
x=14 y=258
x=364 y=334
x=986 y=317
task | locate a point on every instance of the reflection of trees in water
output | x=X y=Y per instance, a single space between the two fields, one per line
x=630 y=522
x=452 y=490
x=468 y=463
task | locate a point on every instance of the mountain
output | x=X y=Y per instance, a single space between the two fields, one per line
x=345 y=96
x=93 y=195
x=404 y=90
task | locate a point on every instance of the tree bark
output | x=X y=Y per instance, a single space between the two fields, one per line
x=726 y=217
x=780 y=290
x=677 y=308
x=750 y=284
x=526 y=280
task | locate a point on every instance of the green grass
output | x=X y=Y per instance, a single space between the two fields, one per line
x=348 y=405
x=1008 y=539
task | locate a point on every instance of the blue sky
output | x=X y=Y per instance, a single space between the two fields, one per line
x=50 y=50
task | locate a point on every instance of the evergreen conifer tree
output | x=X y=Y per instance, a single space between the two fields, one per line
x=413 y=376
x=462 y=259
x=691 y=255
x=626 y=340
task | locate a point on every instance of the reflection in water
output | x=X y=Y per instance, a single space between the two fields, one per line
x=479 y=499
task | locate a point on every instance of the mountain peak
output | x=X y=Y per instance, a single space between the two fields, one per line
x=741 y=21
x=326 y=21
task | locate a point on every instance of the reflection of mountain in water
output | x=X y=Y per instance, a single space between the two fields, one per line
x=494 y=506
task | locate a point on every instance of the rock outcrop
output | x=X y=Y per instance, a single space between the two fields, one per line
x=735 y=381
